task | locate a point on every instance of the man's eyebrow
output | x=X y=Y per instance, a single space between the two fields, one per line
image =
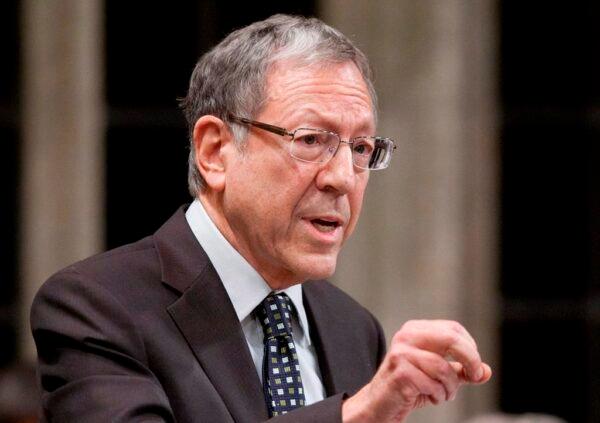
x=307 y=115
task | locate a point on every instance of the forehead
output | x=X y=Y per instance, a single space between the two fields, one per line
x=336 y=93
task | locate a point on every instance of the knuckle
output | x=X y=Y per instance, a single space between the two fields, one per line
x=456 y=327
x=407 y=324
x=403 y=335
x=453 y=338
x=408 y=392
x=398 y=337
x=411 y=325
x=401 y=374
x=442 y=368
x=409 y=328
x=396 y=357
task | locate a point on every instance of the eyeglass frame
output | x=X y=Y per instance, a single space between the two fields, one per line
x=278 y=130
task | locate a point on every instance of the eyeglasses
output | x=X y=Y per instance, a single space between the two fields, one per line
x=319 y=145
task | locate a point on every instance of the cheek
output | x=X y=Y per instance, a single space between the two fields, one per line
x=294 y=185
x=270 y=193
x=356 y=201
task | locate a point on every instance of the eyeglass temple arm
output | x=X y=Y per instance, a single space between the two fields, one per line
x=271 y=128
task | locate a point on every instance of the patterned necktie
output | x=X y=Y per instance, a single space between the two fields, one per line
x=282 y=383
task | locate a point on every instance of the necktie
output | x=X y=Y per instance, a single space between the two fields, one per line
x=282 y=383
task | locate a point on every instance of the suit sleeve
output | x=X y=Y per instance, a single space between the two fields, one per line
x=328 y=410
x=91 y=358
x=381 y=342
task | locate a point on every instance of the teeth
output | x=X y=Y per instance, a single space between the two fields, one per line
x=324 y=226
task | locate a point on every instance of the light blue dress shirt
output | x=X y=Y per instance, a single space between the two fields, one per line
x=246 y=289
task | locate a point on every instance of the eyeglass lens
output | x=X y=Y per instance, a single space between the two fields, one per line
x=319 y=146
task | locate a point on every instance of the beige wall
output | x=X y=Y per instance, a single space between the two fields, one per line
x=426 y=243
x=63 y=139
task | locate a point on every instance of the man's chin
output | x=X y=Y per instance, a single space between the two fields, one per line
x=319 y=267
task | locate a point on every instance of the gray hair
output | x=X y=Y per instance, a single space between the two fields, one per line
x=232 y=76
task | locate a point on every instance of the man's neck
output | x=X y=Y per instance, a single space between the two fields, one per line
x=277 y=280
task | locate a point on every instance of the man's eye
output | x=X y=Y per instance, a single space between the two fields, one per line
x=363 y=149
x=309 y=139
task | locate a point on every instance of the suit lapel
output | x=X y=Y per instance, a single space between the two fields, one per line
x=206 y=318
x=321 y=324
x=333 y=341
x=208 y=321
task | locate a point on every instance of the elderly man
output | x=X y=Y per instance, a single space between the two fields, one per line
x=223 y=314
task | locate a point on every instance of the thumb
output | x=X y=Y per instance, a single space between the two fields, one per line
x=484 y=373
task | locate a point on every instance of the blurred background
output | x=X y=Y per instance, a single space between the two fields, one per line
x=489 y=214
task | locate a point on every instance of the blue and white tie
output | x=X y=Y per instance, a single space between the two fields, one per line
x=282 y=382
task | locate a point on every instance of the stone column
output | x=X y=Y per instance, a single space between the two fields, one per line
x=426 y=244
x=62 y=138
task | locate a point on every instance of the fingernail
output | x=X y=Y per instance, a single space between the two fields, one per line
x=479 y=374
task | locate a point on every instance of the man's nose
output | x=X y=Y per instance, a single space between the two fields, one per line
x=338 y=173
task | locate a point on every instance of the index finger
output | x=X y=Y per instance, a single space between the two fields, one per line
x=446 y=338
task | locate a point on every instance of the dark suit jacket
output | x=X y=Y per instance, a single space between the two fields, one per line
x=146 y=332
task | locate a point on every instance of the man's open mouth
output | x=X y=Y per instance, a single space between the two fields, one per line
x=325 y=225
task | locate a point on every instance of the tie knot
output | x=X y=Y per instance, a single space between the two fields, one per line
x=274 y=314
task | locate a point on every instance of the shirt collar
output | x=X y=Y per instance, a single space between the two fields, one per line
x=244 y=285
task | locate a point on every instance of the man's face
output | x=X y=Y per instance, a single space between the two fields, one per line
x=289 y=218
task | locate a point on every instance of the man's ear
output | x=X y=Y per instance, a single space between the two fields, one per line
x=210 y=137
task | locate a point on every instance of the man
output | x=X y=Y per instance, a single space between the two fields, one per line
x=222 y=315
